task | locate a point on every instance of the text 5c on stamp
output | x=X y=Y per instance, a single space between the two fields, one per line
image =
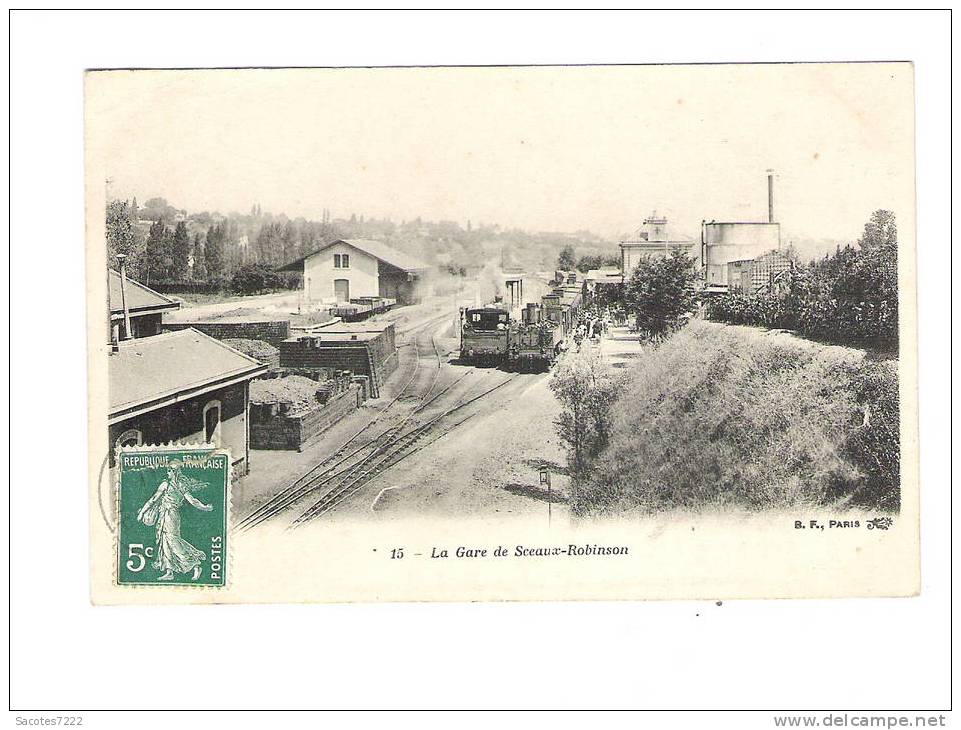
x=173 y=510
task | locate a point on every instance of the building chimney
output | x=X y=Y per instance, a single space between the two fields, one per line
x=123 y=295
x=770 y=196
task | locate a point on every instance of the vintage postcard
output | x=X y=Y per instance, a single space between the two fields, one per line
x=502 y=333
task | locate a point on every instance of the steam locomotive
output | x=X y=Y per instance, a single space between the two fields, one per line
x=532 y=340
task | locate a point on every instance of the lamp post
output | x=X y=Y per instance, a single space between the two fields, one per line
x=123 y=295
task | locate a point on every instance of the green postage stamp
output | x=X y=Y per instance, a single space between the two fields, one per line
x=173 y=505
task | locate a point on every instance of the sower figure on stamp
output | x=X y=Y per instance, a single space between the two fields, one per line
x=174 y=554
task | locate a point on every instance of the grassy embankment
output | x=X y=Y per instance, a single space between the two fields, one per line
x=738 y=417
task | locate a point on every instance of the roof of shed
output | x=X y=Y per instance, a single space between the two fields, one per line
x=139 y=297
x=607 y=272
x=172 y=364
x=377 y=249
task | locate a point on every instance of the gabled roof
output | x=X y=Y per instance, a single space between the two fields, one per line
x=150 y=372
x=139 y=297
x=377 y=249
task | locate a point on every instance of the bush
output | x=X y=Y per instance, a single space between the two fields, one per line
x=586 y=388
x=849 y=298
x=257 y=278
x=723 y=416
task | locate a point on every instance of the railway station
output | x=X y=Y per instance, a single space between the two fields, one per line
x=356 y=372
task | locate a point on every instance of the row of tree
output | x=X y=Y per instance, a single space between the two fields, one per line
x=167 y=253
x=850 y=297
x=164 y=243
x=567 y=260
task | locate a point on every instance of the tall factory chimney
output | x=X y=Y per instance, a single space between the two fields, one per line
x=770 y=196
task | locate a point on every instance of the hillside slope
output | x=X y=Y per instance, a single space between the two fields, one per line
x=736 y=416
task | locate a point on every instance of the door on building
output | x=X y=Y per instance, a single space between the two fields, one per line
x=212 y=422
x=342 y=290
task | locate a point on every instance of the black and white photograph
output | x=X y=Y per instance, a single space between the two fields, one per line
x=406 y=305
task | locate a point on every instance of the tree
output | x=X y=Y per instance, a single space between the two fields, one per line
x=215 y=253
x=565 y=259
x=180 y=253
x=157 y=253
x=123 y=237
x=270 y=243
x=661 y=293
x=289 y=240
x=158 y=209
x=587 y=388
x=879 y=249
x=590 y=261
x=199 y=272
x=254 y=279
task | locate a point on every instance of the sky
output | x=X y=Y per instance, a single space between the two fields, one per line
x=544 y=149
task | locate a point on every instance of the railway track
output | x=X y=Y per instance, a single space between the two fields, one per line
x=393 y=451
x=327 y=470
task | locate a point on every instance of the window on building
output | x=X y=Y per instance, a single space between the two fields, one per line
x=337 y=261
x=212 y=423
x=345 y=261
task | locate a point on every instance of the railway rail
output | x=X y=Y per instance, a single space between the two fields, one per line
x=394 y=450
x=327 y=471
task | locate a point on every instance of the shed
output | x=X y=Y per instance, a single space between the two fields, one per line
x=145 y=307
x=367 y=351
x=182 y=387
x=349 y=269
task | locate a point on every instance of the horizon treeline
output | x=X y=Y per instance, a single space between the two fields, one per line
x=169 y=245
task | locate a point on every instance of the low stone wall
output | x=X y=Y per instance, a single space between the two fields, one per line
x=273 y=331
x=294 y=431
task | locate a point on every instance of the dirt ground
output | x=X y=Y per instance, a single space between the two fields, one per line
x=488 y=466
